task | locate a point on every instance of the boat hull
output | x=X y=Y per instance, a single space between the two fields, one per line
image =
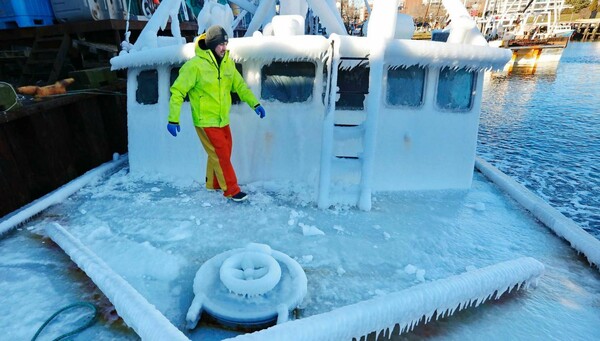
x=532 y=53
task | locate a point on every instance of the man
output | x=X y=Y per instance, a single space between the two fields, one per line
x=208 y=79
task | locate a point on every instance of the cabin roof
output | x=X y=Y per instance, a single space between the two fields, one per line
x=398 y=52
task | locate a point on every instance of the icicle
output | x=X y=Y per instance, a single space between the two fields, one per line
x=408 y=307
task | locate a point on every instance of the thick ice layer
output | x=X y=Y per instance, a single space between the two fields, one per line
x=407 y=307
x=408 y=238
x=249 y=286
x=250 y=273
x=135 y=310
x=56 y=196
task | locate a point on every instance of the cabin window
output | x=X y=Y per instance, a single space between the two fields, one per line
x=353 y=85
x=235 y=99
x=147 y=87
x=325 y=82
x=288 y=82
x=173 y=76
x=405 y=86
x=455 y=89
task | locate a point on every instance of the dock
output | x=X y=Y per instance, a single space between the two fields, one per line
x=586 y=29
x=43 y=54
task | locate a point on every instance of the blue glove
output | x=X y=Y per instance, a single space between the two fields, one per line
x=173 y=128
x=260 y=111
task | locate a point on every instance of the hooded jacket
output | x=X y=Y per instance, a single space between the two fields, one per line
x=208 y=85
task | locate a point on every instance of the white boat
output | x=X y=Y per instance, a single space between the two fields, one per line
x=356 y=92
x=381 y=122
x=529 y=28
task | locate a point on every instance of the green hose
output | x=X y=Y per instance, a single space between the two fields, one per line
x=91 y=320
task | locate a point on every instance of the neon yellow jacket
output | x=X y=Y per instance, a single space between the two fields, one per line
x=208 y=86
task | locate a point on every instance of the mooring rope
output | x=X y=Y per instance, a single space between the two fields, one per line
x=91 y=320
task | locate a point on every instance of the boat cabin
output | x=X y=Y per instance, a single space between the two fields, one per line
x=346 y=115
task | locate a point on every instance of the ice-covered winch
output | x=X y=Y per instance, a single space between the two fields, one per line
x=250 y=287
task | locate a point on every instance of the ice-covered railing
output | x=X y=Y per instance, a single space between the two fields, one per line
x=398 y=52
x=168 y=9
x=18 y=217
x=407 y=307
x=135 y=310
x=564 y=227
x=463 y=29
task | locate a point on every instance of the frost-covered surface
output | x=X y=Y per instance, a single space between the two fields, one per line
x=10 y=221
x=214 y=13
x=165 y=13
x=459 y=52
x=156 y=236
x=399 y=52
x=418 y=52
x=261 y=48
x=438 y=299
x=140 y=315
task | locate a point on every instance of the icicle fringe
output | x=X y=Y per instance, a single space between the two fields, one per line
x=409 y=307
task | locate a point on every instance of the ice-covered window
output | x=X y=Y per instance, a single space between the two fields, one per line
x=405 y=86
x=288 y=82
x=353 y=86
x=324 y=77
x=147 y=87
x=235 y=99
x=173 y=76
x=455 y=89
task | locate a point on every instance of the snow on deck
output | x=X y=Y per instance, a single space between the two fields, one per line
x=156 y=236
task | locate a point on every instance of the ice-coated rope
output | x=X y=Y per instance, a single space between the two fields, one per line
x=88 y=323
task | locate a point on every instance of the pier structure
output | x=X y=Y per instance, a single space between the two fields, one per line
x=43 y=54
x=586 y=29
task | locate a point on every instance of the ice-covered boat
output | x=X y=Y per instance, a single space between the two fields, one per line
x=381 y=112
x=381 y=122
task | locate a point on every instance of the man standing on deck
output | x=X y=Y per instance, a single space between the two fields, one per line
x=208 y=79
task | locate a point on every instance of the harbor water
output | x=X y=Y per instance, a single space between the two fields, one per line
x=543 y=129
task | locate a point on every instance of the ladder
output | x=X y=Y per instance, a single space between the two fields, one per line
x=345 y=159
x=46 y=58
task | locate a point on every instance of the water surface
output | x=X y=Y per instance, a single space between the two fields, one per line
x=544 y=131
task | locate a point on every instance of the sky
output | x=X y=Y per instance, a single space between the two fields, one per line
x=150 y=248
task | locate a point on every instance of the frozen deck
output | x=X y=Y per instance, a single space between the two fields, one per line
x=156 y=237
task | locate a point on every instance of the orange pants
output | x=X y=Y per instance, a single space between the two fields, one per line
x=220 y=174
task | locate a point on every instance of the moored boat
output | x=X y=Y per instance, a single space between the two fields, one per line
x=529 y=28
